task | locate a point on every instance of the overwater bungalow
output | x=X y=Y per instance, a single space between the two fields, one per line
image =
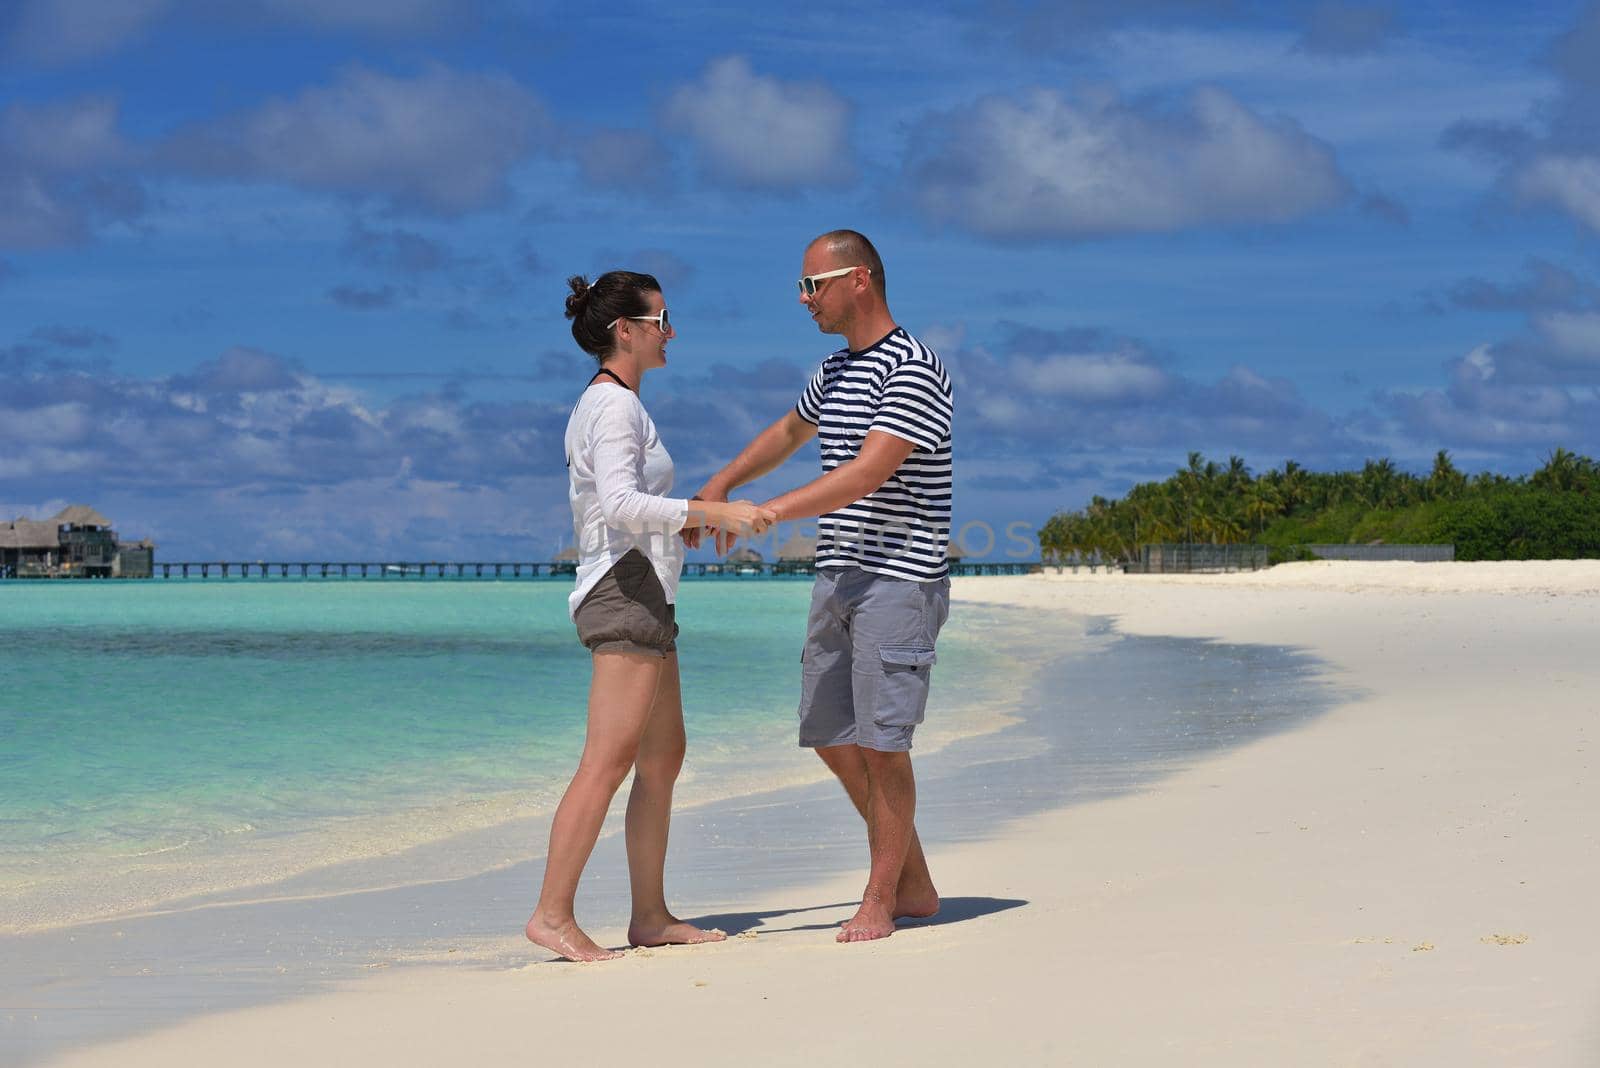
x=76 y=542
x=797 y=554
x=743 y=561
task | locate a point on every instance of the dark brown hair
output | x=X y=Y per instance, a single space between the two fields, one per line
x=613 y=295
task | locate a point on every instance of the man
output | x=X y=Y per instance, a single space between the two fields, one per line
x=881 y=408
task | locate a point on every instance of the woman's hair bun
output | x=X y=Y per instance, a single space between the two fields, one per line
x=592 y=306
x=580 y=293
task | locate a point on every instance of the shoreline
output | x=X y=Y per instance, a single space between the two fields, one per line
x=453 y=830
x=449 y=839
x=206 y=957
x=1252 y=906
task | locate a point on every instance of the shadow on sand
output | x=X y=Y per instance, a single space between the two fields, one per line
x=951 y=910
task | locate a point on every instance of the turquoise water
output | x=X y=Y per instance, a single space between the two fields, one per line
x=162 y=739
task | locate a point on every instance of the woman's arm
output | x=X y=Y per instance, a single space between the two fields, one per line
x=616 y=438
x=617 y=442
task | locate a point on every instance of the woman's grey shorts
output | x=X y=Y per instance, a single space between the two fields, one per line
x=868 y=658
x=627 y=611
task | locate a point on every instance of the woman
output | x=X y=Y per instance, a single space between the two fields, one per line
x=629 y=561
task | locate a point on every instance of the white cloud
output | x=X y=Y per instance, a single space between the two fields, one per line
x=1575 y=334
x=1479 y=407
x=1046 y=166
x=1057 y=393
x=1095 y=376
x=61 y=170
x=63 y=137
x=1436 y=417
x=1479 y=362
x=1568 y=182
x=757 y=132
x=53 y=422
x=443 y=141
x=1553 y=157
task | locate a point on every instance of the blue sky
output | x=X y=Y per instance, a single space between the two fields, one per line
x=283 y=279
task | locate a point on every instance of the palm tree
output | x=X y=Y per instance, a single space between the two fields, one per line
x=1562 y=471
x=1260 y=503
x=1238 y=474
x=1294 y=485
x=1445 y=481
x=1190 y=488
x=1380 y=483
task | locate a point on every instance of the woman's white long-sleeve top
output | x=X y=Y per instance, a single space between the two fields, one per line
x=619 y=474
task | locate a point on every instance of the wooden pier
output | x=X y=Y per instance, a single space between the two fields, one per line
x=399 y=571
x=344 y=569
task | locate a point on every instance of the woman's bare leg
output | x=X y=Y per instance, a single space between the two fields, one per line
x=621 y=694
x=650 y=816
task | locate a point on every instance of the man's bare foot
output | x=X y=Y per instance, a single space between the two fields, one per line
x=871 y=921
x=915 y=903
x=567 y=940
x=674 y=932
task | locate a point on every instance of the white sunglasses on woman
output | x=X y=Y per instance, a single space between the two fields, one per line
x=663 y=323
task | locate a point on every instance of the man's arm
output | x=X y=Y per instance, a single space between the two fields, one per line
x=881 y=455
x=765 y=453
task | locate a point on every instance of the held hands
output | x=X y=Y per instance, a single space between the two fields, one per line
x=743 y=518
x=728 y=519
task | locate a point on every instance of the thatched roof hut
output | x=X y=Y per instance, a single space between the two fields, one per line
x=743 y=555
x=569 y=555
x=799 y=549
x=80 y=515
x=22 y=533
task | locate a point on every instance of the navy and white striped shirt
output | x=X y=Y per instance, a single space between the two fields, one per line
x=898 y=386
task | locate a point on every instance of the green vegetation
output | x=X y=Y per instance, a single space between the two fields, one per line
x=1554 y=513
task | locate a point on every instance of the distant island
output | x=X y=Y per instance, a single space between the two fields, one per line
x=1551 y=514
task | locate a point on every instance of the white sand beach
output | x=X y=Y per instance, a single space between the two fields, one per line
x=1406 y=880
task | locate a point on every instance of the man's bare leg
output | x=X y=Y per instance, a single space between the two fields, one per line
x=915 y=896
x=891 y=808
x=650 y=817
x=621 y=693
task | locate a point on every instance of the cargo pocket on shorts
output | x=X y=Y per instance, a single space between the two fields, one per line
x=903 y=692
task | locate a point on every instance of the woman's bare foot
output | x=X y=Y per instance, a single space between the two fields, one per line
x=672 y=932
x=873 y=920
x=566 y=939
x=915 y=897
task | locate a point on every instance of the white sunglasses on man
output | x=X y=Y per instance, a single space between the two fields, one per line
x=808 y=284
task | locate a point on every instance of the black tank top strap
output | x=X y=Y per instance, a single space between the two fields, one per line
x=611 y=375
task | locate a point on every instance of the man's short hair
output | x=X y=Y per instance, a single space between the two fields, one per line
x=852 y=249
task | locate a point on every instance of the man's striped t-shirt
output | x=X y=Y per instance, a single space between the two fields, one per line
x=898 y=386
